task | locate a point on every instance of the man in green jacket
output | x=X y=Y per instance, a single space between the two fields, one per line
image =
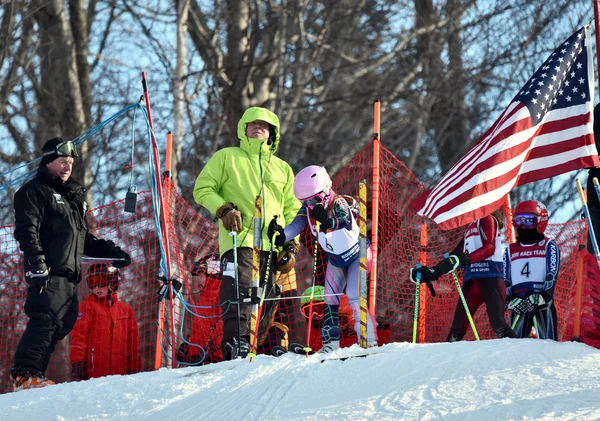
x=227 y=186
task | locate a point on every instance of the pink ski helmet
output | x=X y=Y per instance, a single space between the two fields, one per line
x=312 y=181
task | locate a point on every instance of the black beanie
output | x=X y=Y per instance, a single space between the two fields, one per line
x=50 y=146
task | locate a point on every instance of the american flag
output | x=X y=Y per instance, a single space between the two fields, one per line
x=546 y=130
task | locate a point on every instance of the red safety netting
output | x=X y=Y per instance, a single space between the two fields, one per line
x=404 y=239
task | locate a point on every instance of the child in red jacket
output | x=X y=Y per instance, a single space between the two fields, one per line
x=105 y=339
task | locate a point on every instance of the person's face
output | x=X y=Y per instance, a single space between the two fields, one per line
x=61 y=167
x=100 y=291
x=258 y=129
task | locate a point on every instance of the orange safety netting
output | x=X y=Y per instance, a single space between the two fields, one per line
x=404 y=239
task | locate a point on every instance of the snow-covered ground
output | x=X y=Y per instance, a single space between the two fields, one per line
x=505 y=379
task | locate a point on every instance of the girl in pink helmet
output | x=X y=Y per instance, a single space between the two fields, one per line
x=332 y=220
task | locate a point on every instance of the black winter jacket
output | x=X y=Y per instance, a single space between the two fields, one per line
x=51 y=222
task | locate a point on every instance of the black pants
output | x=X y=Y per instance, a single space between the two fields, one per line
x=490 y=291
x=52 y=315
x=227 y=294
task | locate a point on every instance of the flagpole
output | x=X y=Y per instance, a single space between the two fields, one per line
x=596 y=19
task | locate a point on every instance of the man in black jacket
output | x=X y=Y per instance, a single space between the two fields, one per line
x=51 y=228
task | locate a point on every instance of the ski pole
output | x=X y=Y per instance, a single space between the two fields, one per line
x=236 y=286
x=588 y=217
x=462 y=298
x=514 y=323
x=536 y=301
x=417 y=298
x=307 y=348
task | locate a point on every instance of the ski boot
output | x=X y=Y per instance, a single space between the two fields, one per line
x=330 y=346
x=23 y=380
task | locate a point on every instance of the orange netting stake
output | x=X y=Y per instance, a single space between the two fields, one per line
x=578 y=298
x=375 y=208
x=423 y=295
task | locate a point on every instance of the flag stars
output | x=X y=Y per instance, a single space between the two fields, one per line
x=575 y=89
x=581 y=80
x=538 y=92
x=540 y=83
x=572 y=74
x=560 y=59
x=568 y=98
x=579 y=65
x=534 y=100
x=583 y=95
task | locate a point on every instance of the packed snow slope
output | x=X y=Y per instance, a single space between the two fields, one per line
x=506 y=379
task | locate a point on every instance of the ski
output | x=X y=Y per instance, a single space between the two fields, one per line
x=300 y=349
x=278 y=351
x=294 y=348
x=344 y=358
x=328 y=357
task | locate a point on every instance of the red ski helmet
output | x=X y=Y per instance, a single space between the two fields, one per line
x=531 y=214
x=101 y=274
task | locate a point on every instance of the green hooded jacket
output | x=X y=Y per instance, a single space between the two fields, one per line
x=239 y=174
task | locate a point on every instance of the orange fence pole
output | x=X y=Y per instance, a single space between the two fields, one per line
x=168 y=155
x=578 y=298
x=162 y=218
x=509 y=226
x=375 y=207
x=161 y=307
x=423 y=293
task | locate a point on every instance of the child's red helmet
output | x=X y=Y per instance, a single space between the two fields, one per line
x=101 y=274
x=531 y=214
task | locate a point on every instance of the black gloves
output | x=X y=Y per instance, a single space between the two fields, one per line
x=274 y=227
x=120 y=254
x=427 y=274
x=79 y=371
x=453 y=262
x=320 y=214
x=37 y=275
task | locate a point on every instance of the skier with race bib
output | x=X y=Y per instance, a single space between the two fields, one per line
x=531 y=267
x=332 y=220
x=480 y=254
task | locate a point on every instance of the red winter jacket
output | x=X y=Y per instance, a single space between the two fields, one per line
x=207 y=331
x=106 y=338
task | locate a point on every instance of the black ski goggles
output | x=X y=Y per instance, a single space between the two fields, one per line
x=64 y=149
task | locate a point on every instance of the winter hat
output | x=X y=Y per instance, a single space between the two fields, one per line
x=50 y=146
